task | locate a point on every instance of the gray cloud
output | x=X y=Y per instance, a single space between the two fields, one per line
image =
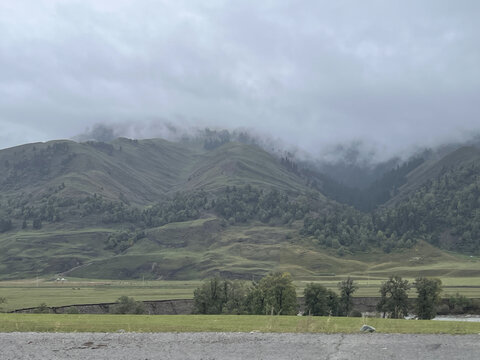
x=389 y=75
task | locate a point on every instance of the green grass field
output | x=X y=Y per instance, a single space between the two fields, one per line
x=224 y=323
x=246 y=250
x=30 y=293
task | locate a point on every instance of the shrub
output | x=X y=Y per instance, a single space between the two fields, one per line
x=42 y=309
x=127 y=305
x=460 y=304
x=443 y=309
x=72 y=310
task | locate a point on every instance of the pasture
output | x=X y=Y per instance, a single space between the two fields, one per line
x=224 y=323
x=32 y=292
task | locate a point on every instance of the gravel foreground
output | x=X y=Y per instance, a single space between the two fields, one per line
x=236 y=346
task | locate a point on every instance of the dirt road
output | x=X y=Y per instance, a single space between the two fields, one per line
x=236 y=346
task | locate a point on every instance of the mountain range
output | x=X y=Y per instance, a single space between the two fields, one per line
x=189 y=209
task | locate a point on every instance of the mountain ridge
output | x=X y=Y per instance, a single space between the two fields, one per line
x=154 y=208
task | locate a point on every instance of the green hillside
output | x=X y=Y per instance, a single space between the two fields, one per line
x=435 y=167
x=201 y=248
x=161 y=210
x=139 y=171
x=64 y=204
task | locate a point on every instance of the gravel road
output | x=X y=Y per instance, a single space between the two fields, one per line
x=236 y=346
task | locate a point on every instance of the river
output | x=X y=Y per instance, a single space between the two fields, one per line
x=471 y=318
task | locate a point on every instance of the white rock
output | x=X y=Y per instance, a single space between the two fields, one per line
x=367 y=328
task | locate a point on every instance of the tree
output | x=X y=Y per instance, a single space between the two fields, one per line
x=236 y=296
x=319 y=301
x=273 y=294
x=394 y=297
x=208 y=298
x=2 y=301
x=428 y=297
x=220 y=296
x=347 y=287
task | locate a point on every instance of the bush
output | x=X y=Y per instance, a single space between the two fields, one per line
x=42 y=309
x=127 y=305
x=72 y=310
x=443 y=309
x=460 y=304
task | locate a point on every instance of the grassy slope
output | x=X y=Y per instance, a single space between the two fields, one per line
x=238 y=164
x=146 y=170
x=201 y=248
x=141 y=170
x=33 y=292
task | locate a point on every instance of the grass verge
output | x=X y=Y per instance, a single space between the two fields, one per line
x=224 y=323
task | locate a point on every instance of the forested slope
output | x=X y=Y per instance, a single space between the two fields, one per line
x=177 y=210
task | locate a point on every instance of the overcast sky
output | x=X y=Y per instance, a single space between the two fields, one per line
x=392 y=74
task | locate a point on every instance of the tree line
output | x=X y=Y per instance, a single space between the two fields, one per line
x=275 y=294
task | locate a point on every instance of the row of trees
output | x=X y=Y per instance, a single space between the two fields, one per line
x=275 y=294
x=320 y=301
x=394 y=301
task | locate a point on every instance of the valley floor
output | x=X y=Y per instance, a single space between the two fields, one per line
x=33 y=292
